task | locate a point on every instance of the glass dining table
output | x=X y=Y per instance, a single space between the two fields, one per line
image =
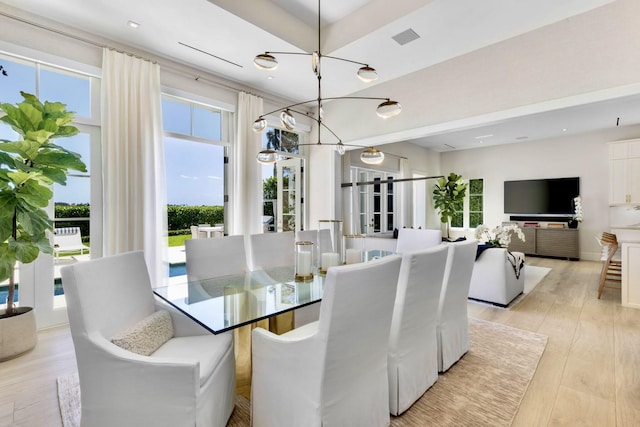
x=264 y=298
x=224 y=303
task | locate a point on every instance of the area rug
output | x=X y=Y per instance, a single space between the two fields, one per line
x=484 y=388
x=533 y=276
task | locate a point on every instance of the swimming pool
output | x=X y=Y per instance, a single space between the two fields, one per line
x=174 y=270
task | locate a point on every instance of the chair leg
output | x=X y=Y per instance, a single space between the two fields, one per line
x=613 y=275
x=603 y=278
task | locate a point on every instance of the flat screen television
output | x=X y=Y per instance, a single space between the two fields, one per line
x=541 y=196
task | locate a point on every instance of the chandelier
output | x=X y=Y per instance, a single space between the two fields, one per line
x=386 y=109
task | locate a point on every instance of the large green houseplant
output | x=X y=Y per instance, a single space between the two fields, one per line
x=448 y=196
x=28 y=169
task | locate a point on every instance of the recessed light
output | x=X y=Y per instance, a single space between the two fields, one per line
x=484 y=136
x=564 y=129
x=133 y=24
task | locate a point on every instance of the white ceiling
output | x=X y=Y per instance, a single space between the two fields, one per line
x=225 y=35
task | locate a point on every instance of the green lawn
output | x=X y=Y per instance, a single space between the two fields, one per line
x=178 y=240
x=173 y=241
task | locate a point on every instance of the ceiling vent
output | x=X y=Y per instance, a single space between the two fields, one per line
x=406 y=37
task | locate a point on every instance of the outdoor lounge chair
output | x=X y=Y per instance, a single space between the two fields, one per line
x=67 y=240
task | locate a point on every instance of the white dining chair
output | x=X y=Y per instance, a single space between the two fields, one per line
x=276 y=252
x=453 y=321
x=187 y=378
x=413 y=344
x=268 y=250
x=207 y=258
x=333 y=371
x=414 y=239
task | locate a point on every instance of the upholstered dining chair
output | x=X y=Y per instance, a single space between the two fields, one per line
x=165 y=369
x=268 y=250
x=207 y=258
x=413 y=345
x=333 y=371
x=264 y=255
x=453 y=321
x=413 y=239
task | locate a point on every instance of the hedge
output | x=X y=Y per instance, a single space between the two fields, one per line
x=179 y=218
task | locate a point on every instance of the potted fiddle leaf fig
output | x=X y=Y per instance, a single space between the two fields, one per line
x=448 y=196
x=28 y=169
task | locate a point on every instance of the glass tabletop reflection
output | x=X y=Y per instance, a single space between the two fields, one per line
x=223 y=303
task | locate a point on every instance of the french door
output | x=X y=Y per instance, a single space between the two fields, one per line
x=289 y=200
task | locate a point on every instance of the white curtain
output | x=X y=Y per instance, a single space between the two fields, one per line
x=247 y=194
x=135 y=207
x=406 y=196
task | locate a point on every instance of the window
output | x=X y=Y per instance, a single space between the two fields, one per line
x=476 y=202
x=377 y=201
x=195 y=169
x=474 y=206
x=458 y=216
x=71 y=203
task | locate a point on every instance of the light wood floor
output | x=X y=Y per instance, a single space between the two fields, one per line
x=589 y=374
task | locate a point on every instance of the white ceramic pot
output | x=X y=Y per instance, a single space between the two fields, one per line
x=17 y=333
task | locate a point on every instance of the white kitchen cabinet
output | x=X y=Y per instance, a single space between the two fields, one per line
x=631 y=274
x=624 y=172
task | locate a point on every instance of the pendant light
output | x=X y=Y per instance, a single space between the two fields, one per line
x=366 y=73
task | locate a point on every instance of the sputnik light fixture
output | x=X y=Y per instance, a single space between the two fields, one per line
x=386 y=109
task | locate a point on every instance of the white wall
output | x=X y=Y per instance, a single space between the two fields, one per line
x=585 y=156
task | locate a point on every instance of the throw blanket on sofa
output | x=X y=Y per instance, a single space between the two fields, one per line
x=517 y=262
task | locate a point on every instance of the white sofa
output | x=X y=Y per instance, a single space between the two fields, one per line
x=494 y=277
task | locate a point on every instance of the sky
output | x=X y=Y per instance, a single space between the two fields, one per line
x=194 y=170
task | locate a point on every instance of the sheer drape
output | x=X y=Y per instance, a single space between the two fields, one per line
x=135 y=207
x=247 y=194
x=406 y=195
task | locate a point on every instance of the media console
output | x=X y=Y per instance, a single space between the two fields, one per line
x=551 y=242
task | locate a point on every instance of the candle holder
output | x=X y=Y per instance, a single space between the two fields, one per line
x=304 y=262
x=354 y=248
x=330 y=243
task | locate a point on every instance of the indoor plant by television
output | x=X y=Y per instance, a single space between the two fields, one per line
x=448 y=196
x=29 y=167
